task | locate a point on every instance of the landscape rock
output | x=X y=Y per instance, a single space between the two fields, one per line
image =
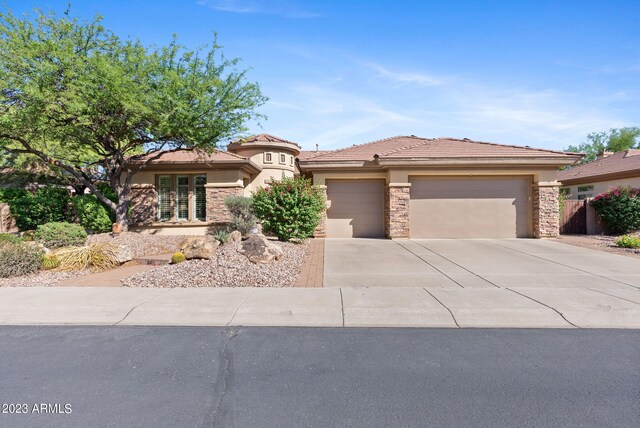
x=235 y=236
x=123 y=253
x=198 y=247
x=259 y=249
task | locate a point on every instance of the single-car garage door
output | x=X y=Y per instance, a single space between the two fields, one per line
x=469 y=208
x=356 y=208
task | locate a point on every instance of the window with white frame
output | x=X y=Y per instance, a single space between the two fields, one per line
x=283 y=158
x=164 y=197
x=585 y=192
x=182 y=197
x=268 y=157
x=199 y=197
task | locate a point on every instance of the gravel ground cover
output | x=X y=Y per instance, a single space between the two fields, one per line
x=43 y=278
x=227 y=269
x=600 y=242
x=141 y=245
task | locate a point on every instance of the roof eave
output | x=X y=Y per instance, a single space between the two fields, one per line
x=499 y=161
x=245 y=164
x=601 y=177
x=314 y=165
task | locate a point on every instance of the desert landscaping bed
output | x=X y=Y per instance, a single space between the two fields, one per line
x=227 y=268
x=140 y=245
x=604 y=243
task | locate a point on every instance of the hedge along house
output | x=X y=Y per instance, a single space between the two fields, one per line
x=411 y=187
x=400 y=187
x=183 y=191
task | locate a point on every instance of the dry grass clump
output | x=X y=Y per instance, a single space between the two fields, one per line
x=96 y=257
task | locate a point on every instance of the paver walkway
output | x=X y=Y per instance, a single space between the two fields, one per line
x=312 y=274
x=110 y=278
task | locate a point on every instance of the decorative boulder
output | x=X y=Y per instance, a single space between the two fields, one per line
x=123 y=253
x=235 y=236
x=199 y=247
x=259 y=249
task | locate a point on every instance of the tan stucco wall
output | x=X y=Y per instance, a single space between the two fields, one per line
x=274 y=170
x=602 y=186
x=400 y=175
x=232 y=177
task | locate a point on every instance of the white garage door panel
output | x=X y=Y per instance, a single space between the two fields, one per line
x=356 y=208
x=469 y=208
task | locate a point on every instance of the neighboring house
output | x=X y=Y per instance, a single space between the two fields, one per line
x=400 y=187
x=609 y=170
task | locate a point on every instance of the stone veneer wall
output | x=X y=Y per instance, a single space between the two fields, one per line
x=546 y=211
x=144 y=205
x=7 y=222
x=397 y=210
x=321 y=229
x=216 y=209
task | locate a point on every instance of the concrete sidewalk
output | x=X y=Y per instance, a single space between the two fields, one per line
x=524 y=307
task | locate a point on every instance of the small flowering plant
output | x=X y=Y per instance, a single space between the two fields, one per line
x=289 y=208
x=619 y=209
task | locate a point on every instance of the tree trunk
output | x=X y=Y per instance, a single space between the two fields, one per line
x=122 y=220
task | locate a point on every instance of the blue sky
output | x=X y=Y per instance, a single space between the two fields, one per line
x=539 y=73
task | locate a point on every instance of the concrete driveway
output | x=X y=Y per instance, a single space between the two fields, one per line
x=474 y=263
x=482 y=283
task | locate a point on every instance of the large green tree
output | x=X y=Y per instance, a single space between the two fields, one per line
x=84 y=100
x=614 y=140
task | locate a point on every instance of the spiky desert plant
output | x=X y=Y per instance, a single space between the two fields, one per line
x=50 y=261
x=93 y=256
x=178 y=258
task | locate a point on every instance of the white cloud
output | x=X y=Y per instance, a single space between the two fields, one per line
x=403 y=78
x=286 y=8
x=336 y=101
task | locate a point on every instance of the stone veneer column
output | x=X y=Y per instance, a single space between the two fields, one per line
x=144 y=205
x=397 y=210
x=546 y=210
x=217 y=211
x=321 y=229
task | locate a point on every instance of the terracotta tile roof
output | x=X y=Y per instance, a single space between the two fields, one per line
x=190 y=156
x=412 y=147
x=264 y=138
x=617 y=163
x=308 y=154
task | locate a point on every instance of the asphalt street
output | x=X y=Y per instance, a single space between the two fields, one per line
x=317 y=377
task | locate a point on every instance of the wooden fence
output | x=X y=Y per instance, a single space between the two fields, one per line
x=574 y=217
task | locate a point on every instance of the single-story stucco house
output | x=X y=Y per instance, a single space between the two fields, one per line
x=399 y=187
x=607 y=171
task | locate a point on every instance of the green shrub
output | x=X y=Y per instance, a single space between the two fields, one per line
x=222 y=236
x=242 y=217
x=619 y=209
x=92 y=214
x=45 y=205
x=50 y=261
x=10 y=238
x=61 y=234
x=19 y=259
x=178 y=258
x=8 y=195
x=627 y=241
x=289 y=208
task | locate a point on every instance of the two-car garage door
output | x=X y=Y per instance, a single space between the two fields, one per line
x=469 y=208
x=460 y=207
